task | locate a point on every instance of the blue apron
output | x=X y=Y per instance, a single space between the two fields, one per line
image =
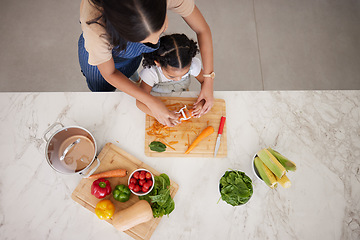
x=127 y=62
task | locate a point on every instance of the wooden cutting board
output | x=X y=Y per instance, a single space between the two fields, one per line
x=186 y=132
x=113 y=157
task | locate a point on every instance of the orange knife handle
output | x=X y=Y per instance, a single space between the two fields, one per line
x=221 y=127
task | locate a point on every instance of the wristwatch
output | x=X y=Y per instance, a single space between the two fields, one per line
x=211 y=75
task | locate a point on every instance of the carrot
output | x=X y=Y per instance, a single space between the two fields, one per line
x=110 y=174
x=206 y=132
x=169 y=146
x=188 y=113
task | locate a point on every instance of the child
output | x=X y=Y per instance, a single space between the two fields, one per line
x=168 y=69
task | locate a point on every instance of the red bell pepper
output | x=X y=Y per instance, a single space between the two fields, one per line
x=100 y=188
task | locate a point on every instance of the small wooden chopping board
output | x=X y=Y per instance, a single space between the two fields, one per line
x=111 y=158
x=186 y=132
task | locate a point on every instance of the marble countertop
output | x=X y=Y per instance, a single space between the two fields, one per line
x=318 y=130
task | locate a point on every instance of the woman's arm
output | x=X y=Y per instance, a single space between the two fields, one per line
x=121 y=82
x=200 y=77
x=197 y=23
x=141 y=105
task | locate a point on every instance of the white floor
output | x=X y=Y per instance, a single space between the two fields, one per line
x=258 y=44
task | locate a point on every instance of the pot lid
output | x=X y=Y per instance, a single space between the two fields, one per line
x=71 y=150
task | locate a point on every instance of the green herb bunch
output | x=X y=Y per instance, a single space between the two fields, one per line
x=235 y=188
x=159 y=197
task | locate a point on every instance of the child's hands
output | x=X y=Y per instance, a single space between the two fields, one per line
x=197 y=109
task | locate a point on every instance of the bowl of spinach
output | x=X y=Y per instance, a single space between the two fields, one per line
x=235 y=188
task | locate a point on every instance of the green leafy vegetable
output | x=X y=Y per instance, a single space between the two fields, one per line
x=157 y=146
x=159 y=198
x=235 y=188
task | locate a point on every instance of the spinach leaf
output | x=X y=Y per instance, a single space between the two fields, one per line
x=166 y=179
x=157 y=146
x=170 y=206
x=159 y=198
x=235 y=188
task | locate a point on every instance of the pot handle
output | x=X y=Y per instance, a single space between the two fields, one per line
x=92 y=170
x=49 y=129
x=68 y=149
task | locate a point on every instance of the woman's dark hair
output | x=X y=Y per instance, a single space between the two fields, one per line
x=129 y=20
x=175 y=50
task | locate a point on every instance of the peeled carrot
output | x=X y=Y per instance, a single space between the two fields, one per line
x=188 y=113
x=110 y=174
x=206 y=132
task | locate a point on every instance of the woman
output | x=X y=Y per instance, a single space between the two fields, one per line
x=116 y=33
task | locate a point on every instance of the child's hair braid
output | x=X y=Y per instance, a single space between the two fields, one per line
x=175 y=50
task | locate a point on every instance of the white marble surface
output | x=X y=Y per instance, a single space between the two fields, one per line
x=320 y=131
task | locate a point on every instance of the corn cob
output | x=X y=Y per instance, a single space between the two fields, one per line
x=267 y=176
x=284 y=181
x=271 y=162
x=288 y=165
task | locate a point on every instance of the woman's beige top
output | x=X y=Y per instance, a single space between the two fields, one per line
x=98 y=45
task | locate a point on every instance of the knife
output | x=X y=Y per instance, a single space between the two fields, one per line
x=218 y=140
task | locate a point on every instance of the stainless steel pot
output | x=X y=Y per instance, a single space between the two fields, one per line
x=71 y=150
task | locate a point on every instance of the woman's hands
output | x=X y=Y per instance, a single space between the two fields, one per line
x=162 y=114
x=205 y=100
x=156 y=108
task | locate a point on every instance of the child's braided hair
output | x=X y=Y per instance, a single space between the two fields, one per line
x=175 y=50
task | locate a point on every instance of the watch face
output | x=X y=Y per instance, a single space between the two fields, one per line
x=211 y=75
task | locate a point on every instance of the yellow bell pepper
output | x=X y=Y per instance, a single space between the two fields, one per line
x=104 y=209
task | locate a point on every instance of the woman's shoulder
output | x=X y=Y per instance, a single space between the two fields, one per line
x=89 y=12
x=182 y=7
x=96 y=38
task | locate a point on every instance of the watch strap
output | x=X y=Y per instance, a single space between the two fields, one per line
x=211 y=75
